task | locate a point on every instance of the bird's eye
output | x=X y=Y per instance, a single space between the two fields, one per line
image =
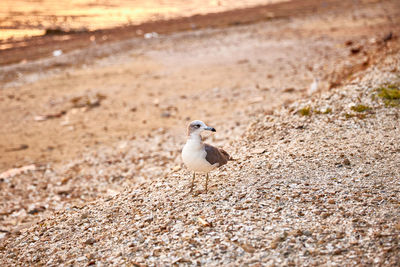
x=197 y=126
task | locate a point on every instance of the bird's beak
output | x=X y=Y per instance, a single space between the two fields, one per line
x=210 y=129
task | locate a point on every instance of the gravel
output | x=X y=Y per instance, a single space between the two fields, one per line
x=321 y=189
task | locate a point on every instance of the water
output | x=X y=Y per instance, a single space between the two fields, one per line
x=22 y=18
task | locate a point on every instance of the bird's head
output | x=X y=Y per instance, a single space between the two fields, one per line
x=196 y=127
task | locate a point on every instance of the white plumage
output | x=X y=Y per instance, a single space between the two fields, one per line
x=194 y=155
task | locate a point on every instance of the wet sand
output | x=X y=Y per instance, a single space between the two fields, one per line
x=32 y=18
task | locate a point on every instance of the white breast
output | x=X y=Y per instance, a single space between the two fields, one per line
x=194 y=157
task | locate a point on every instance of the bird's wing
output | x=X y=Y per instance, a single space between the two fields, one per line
x=216 y=155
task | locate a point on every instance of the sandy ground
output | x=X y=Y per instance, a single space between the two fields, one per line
x=148 y=84
x=321 y=190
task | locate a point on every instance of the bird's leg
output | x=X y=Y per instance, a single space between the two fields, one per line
x=206 y=182
x=191 y=187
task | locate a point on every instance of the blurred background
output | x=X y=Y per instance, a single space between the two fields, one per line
x=21 y=18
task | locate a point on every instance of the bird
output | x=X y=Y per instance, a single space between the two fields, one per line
x=199 y=156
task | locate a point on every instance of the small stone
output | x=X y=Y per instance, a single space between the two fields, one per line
x=81 y=258
x=307 y=233
x=325 y=215
x=165 y=114
x=176 y=168
x=297 y=233
x=337 y=252
x=36 y=210
x=65 y=190
x=258 y=150
x=90 y=241
x=274 y=244
x=248 y=248
x=149 y=219
x=356 y=50
x=203 y=222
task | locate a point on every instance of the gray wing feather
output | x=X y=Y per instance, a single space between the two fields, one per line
x=216 y=155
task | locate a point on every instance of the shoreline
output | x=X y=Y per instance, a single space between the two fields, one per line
x=26 y=50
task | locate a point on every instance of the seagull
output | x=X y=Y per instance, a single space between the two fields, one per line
x=201 y=157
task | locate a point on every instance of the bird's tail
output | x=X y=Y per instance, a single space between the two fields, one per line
x=227 y=156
